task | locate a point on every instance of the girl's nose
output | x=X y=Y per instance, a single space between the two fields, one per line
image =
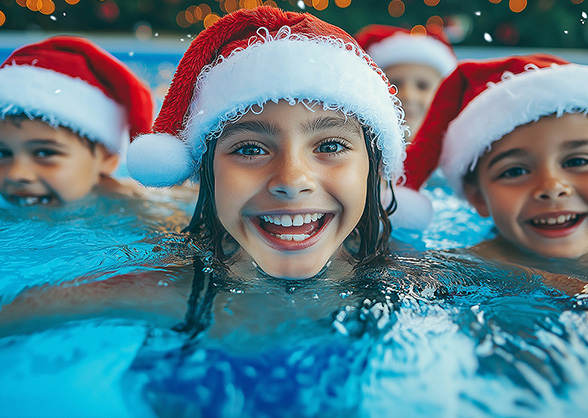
x=291 y=178
x=20 y=171
x=552 y=187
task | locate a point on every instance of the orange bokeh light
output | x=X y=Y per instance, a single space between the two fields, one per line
x=211 y=19
x=271 y=3
x=396 y=8
x=435 y=24
x=343 y=3
x=2 y=18
x=72 y=1
x=517 y=6
x=250 y=4
x=418 y=30
x=577 y=1
x=432 y=3
x=320 y=4
x=495 y=1
x=231 y=5
x=47 y=7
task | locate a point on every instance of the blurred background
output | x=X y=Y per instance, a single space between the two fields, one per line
x=151 y=35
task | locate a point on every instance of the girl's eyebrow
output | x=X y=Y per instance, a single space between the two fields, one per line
x=515 y=152
x=328 y=122
x=575 y=144
x=255 y=126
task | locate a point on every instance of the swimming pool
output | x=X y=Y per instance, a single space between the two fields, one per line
x=485 y=342
x=428 y=332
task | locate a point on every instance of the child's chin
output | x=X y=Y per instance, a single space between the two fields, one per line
x=291 y=270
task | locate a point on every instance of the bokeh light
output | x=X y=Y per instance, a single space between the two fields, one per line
x=320 y=4
x=418 y=30
x=577 y=1
x=495 y=1
x=33 y=5
x=342 y=3
x=2 y=18
x=210 y=19
x=143 y=31
x=517 y=6
x=72 y=1
x=396 y=8
x=435 y=25
x=432 y=3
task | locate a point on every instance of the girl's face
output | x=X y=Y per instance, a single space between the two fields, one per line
x=291 y=185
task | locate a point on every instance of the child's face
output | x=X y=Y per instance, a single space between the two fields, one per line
x=40 y=164
x=290 y=185
x=417 y=84
x=534 y=184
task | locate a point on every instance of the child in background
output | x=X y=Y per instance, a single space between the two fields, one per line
x=67 y=111
x=415 y=64
x=511 y=136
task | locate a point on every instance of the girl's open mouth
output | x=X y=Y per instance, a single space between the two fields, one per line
x=292 y=232
x=557 y=226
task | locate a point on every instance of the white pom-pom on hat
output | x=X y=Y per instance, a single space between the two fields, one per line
x=159 y=160
x=414 y=210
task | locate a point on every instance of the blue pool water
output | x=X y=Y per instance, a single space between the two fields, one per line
x=432 y=333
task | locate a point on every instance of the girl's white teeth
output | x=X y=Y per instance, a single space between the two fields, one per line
x=555 y=221
x=296 y=220
x=292 y=237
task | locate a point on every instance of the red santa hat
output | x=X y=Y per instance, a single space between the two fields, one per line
x=71 y=82
x=481 y=102
x=391 y=45
x=248 y=58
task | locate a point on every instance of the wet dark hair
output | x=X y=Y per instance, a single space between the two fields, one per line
x=372 y=230
x=19 y=118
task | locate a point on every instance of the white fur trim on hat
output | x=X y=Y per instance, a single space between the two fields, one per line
x=60 y=100
x=404 y=48
x=514 y=101
x=414 y=210
x=159 y=160
x=297 y=68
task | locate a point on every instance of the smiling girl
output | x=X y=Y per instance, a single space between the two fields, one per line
x=288 y=124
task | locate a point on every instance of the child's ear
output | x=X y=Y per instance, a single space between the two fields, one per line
x=109 y=162
x=475 y=197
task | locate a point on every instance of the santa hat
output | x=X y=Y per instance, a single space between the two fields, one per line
x=251 y=57
x=481 y=102
x=69 y=81
x=391 y=45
